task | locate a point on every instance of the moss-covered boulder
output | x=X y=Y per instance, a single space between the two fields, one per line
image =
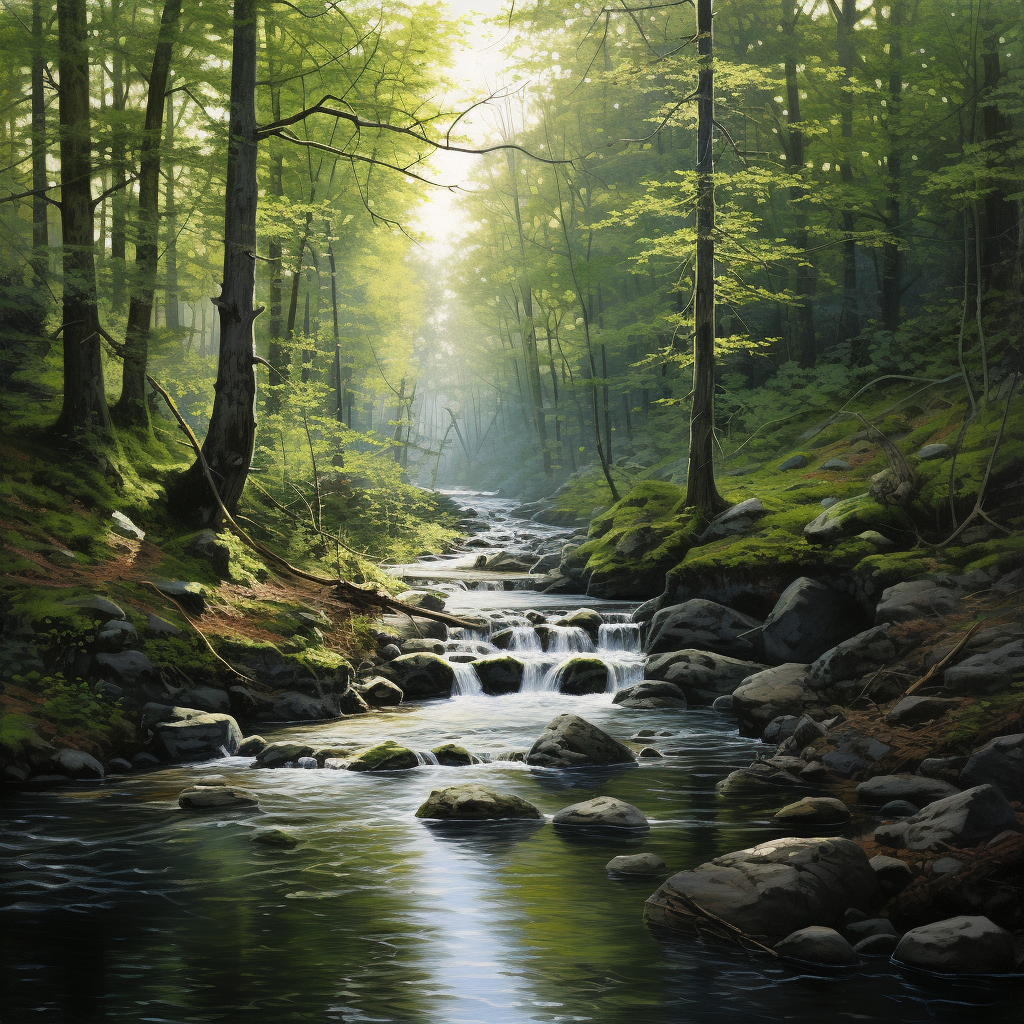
x=854 y=515
x=388 y=756
x=451 y=755
x=473 y=802
x=499 y=674
x=420 y=676
x=580 y=675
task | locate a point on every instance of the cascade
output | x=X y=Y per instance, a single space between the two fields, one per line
x=569 y=640
x=426 y=757
x=539 y=675
x=619 y=636
x=525 y=639
x=467 y=682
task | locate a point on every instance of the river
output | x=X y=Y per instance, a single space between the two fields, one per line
x=118 y=906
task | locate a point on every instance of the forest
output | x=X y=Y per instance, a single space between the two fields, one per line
x=368 y=366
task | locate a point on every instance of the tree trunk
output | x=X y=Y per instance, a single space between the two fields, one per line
x=892 y=256
x=171 y=318
x=119 y=199
x=276 y=355
x=40 y=235
x=231 y=436
x=849 y=320
x=85 y=405
x=701 y=492
x=131 y=407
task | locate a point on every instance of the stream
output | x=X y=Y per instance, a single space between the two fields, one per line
x=118 y=906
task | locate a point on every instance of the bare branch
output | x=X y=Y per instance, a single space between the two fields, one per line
x=665 y=119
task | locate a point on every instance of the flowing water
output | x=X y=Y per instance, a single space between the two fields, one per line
x=118 y=906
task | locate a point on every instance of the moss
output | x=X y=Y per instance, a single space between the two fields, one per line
x=384 y=757
x=453 y=756
x=16 y=732
x=886 y=569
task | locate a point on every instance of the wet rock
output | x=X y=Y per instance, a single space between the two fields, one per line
x=601 y=812
x=473 y=802
x=701 y=675
x=898 y=809
x=738 y=519
x=190 y=596
x=124 y=527
x=857 y=930
x=453 y=756
x=915 y=710
x=958 y=945
x=844 y=764
x=650 y=694
x=704 y=626
x=586 y=619
x=499 y=674
x=964 y=819
x=915 y=599
x=569 y=741
x=390 y=651
x=988 y=672
x=275 y=837
x=430 y=600
x=379 y=692
x=280 y=753
x=933 y=451
x=779 y=729
x=75 y=764
x=876 y=945
x=774 y=889
x=251 y=746
x=128 y=668
x=388 y=756
x=651 y=752
x=643 y=864
x=420 y=676
x=189 y=734
x=794 y=462
x=817 y=945
x=581 y=674
x=766 y=695
x=808 y=619
x=216 y=798
x=913 y=788
x=999 y=763
x=116 y=635
x=723 y=704
x=422 y=645
x=117 y=766
x=307 y=763
x=351 y=702
x=753 y=779
x=814 y=810
x=290 y=706
x=208 y=547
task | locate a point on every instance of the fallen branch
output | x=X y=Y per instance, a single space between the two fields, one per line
x=737 y=933
x=342 y=588
x=939 y=666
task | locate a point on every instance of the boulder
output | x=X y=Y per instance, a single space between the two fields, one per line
x=351 y=702
x=999 y=763
x=915 y=710
x=420 y=676
x=913 y=788
x=453 y=756
x=848 y=517
x=128 y=668
x=569 y=741
x=251 y=746
x=933 y=451
x=733 y=521
x=207 y=698
x=582 y=674
x=190 y=596
x=388 y=756
x=898 y=809
x=958 y=945
x=774 y=889
x=280 y=752
x=868 y=926
x=701 y=675
x=430 y=600
x=893 y=874
x=964 y=819
x=600 y=812
x=915 y=599
x=817 y=945
x=208 y=547
x=115 y=635
x=852 y=659
x=95 y=606
x=808 y=619
x=75 y=764
x=216 y=798
x=651 y=693
x=473 y=802
x=290 y=706
x=702 y=625
x=379 y=692
x=402 y=627
x=642 y=864
x=767 y=695
x=988 y=672
x=422 y=645
x=794 y=462
x=586 y=619
x=159 y=629
x=813 y=810
x=876 y=945
x=499 y=674
x=275 y=837
x=192 y=735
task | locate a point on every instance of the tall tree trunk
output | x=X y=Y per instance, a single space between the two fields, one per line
x=171 y=318
x=276 y=354
x=231 y=435
x=892 y=256
x=40 y=236
x=701 y=492
x=85 y=404
x=131 y=407
x=119 y=199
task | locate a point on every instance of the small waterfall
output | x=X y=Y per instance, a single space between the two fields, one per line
x=224 y=752
x=467 y=682
x=540 y=675
x=490 y=585
x=617 y=616
x=619 y=636
x=426 y=757
x=624 y=671
x=569 y=640
x=525 y=639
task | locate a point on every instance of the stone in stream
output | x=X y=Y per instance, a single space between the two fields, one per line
x=453 y=756
x=817 y=944
x=430 y=600
x=499 y=674
x=702 y=675
x=641 y=864
x=650 y=694
x=75 y=764
x=388 y=756
x=217 y=797
x=473 y=802
x=420 y=676
x=191 y=735
x=766 y=695
x=569 y=741
x=814 y=810
x=898 y=809
x=280 y=752
x=601 y=812
x=251 y=746
x=275 y=837
x=958 y=945
x=876 y=945
x=379 y=692
x=772 y=890
x=705 y=626
x=582 y=674
x=422 y=645
x=586 y=619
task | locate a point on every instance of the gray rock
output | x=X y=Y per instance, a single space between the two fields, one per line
x=964 y=819
x=586 y=619
x=190 y=596
x=423 y=645
x=251 y=746
x=807 y=731
x=893 y=874
x=388 y=756
x=879 y=540
x=307 y=763
x=814 y=810
x=351 y=702
x=280 y=752
x=96 y=606
x=115 y=635
x=216 y=798
x=857 y=930
x=650 y=694
x=808 y=619
x=390 y=651
x=702 y=625
x=569 y=741
x=794 y=462
x=915 y=710
x=836 y=466
x=844 y=764
x=753 y=779
x=379 y=692
x=420 y=676
x=828 y=502
x=778 y=730
x=946 y=866
x=815 y=772
x=128 y=668
x=702 y=675
x=118 y=766
x=988 y=672
x=817 y=945
x=999 y=763
x=124 y=527
x=767 y=695
x=958 y=945
x=430 y=600
x=876 y=945
x=853 y=658
x=75 y=764
x=913 y=788
x=898 y=809
x=733 y=521
x=473 y=802
x=158 y=628
x=774 y=889
x=290 y=706
x=723 y=704
x=206 y=545
x=933 y=451
x=206 y=698
x=601 y=812
x=915 y=599
x=635 y=864
x=189 y=734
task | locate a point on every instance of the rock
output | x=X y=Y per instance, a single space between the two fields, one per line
x=75 y=764
x=849 y=517
x=651 y=752
x=817 y=945
x=778 y=730
x=95 y=606
x=814 y=810
x=917 y=790
x=430 y=600
x=808 y=731
x=774 y=889
x=857 y=930
x=723 y=704
x=206 y=698
x=933 y=451
x=753 y=779
x=390 y=651
x=701 y=675
x=732 y=521
x=835 y=466
x=893 y=874
x=473 y=802
x=129 y=668
x=586 y=619
x=158 y=628
x=401 y=627
x=958 y=945
x=350 y=702
x=945 y=768
x=964 y=819
x=208 y=547
x=453 y=756
x=275 y=837
x=702 y=625
x=766 y=695
x=251 y=746
x=808 y=620
x=635 y=864
x=569 y=741
x=846 y=765
x=388 y=756
x=499 y=674
x=379 y=692
x=115 y=635
x=280 y=752
x=815 y=773
x=601 y=812
x=915 y=599
x=118 y=766
x=124 y=527
x=582 y=674
x=999 y=763
x=988 y=672
x=189 y=734
x=898 y=809
x=650 y=694
x=829 y=502
x=216 y=798
x=290 y=706
x=794 y=462
x=853 y=659
x=420 y=676
x=876 y=945
x=915 y=710
x=946 y=866
x=190 y=596
x=879 y=540
x=422 y=645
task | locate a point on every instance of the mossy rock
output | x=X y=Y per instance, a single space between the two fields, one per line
x=500 y=674
x=582 y=675
x=451 y=755
x=388 y=756
x=421 y=675
x=473 y=802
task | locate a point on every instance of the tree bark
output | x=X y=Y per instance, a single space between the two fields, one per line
x=276 y=354
x=85 y=406
x=119 y=199
x=171 y=318
x=892 y=256
x=40 y=236
x=229 y=442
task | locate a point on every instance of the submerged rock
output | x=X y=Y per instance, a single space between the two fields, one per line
x=642 y=864
x=601 y=812
x=817 y=944
x=569 y=741
x=958 y=945
x=473 y=802
x=216 y=798
x=649 y=694
x=275 y=837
